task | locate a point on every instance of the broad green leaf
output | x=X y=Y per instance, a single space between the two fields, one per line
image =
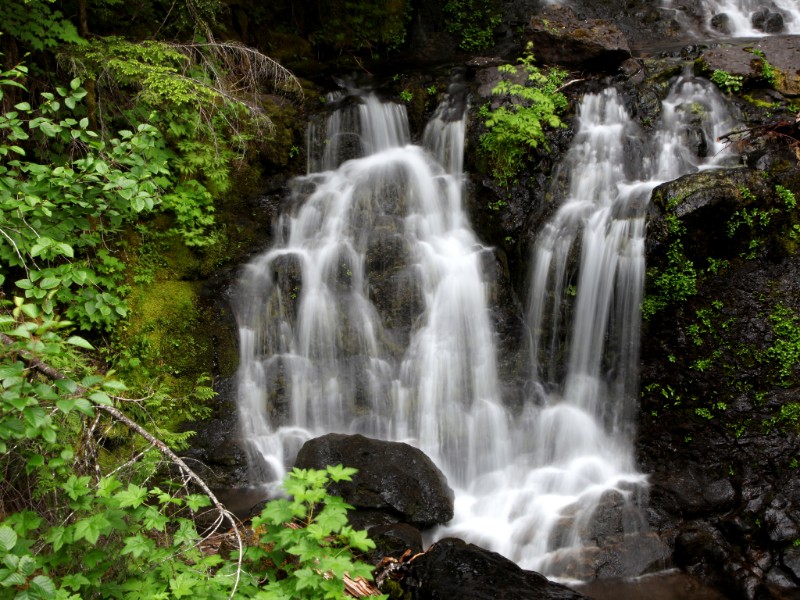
x=132 y=496
x=8 y=539
x=197 y=501
x=59 y=536
x=138 y=545
x=100 y=398
x=91 y=528
x=76 y=340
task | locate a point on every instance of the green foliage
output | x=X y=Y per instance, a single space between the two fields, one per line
x=36 y=25
x=473 y=21
x=768 y=72
x=785 y=350
x=678 y=280
x=353 y=25
x=312 y=557
x=727 y=82
x=406 y=96
x=787 y=197
x=515 y=128
x=63 y=190
x=90 y=533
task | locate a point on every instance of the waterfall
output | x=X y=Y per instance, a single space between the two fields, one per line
x=572 y=451
x=369 y=315
x=750 y=18
x=376 y=245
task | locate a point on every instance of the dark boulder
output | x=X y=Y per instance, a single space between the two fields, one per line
x=395 y=482
x=394 y=540
x=767 y=21
x=452 y=568
x=721 y=23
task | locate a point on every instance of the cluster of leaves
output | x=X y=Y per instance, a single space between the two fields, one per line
x=727 y=82
x=36 y=25
x=353 y=25
x=473 y=21
x=785 y=351
x=74 y=528
x=63 y=190
x=678 y=280
x=768 y=72
x=517 y=126
x=313 y=557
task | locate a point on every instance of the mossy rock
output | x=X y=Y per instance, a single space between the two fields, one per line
x=178 y=334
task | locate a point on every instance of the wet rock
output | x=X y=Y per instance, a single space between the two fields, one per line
x=561 y=37
x=791 y=562
x=721 y=23
x=393 y=478
x=781 y=526
x=394 y=540
x=767 y=21
x=705 y=203
x=737 y=58
x=628 y=555
x=452 y=568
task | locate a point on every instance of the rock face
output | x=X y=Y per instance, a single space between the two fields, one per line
x=719 y=395
x=741 y=59
x=560 y=37
x=395 y=482
x=452 y=568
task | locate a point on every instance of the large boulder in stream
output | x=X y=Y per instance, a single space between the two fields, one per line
x=452 y=568
x=395 y=483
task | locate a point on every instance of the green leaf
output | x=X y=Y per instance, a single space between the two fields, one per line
x=341 y=473
x=59 y=536
x=92 y=528
x=182 y=585
x=138 y=545
x=76 y=340
x=8 y=539
x=133 y=496
x=197 y=501
x=100 y=398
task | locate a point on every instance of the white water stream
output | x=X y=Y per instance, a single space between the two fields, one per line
x=739 y=15
x=377 y=238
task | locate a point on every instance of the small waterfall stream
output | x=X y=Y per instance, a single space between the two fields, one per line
x=750 y=18
x=376 y=246
x=369 y=314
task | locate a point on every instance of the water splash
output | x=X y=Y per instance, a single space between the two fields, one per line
x=749 y=18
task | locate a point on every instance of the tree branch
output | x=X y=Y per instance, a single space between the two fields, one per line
x=54 y=374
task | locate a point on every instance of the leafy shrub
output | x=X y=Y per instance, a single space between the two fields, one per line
x=474 y=21
x=515 y=128
x=726 y=81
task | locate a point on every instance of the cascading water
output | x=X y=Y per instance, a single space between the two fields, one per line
x=750 y=18
x=369 y=315
x=584 y=314
x=376 y=245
